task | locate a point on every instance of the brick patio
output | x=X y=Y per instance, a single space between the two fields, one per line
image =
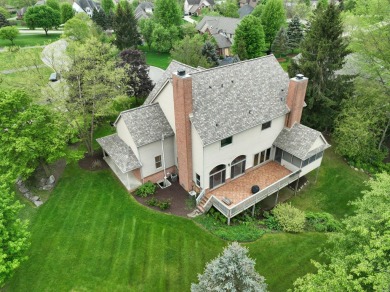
x=239 y=188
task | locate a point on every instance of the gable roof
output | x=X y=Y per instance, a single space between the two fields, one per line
x=197 y=2
x=298 y=140
x=245 y=10
x=146 y=124
x=233 y=98
x=120 y=152
x=215 y=24
x=222 y=41
x=84 y=4
x=173 y=67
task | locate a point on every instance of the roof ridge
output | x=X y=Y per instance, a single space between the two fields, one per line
x=136 y=108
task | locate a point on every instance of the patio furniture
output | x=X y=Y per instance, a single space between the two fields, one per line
x=255 y=189
x=226 y=201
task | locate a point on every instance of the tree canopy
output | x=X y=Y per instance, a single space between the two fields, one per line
x=9 y=33
x=233 y=270
x=228 y=8
x=249 y=38
x=273 y=17
x=125 y=27
x=66 y=11
x=294 y=33
x=167 y=13
x=189 y=51
x=42 y=16
x=107 y=5
x=53 y=4
x=3 y=21
x=280 y=44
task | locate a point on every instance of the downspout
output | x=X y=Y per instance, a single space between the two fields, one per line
x=163 y=159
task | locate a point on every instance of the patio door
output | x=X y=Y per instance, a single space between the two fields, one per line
x=238 y=166
x=278 y=155
x=217 y=176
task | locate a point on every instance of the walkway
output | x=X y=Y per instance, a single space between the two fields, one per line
x=189 y=19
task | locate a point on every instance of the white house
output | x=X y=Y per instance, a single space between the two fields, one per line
x=85 y=6
x=194 y=7
x=231 y=133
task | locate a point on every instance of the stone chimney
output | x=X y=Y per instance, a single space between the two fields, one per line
x=295 y=99
x=182 y=100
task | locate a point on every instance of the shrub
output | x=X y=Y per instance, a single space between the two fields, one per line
x=146 y=189
x=152 y=202
x=322 y=222
x=290 y=218
x=271 y=222
x=164 y=204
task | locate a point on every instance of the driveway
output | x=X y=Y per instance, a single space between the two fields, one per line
x=189 y=19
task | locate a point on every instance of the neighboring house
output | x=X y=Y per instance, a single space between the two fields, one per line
x=20 y=13
x=85 y=6
x=222 y=29
x=245 y=10
x=11 y=9
x=194 y=7
x=144 y=10
x=251 y=3
x=40 y=2
x=231 y=133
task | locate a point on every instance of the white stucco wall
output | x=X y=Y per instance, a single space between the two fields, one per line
x=197 y=156
x=150 y=151
x=124 y=134
x=165 y=100
x=311 y=166
x=249 y=143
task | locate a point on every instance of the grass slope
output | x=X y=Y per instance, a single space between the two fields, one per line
x=153 y=58
x=24 y=40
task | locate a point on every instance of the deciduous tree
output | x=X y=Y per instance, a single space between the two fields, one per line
x=233 y=270
x=249 y=36
x=54 y=4
x=5 y=12
x=272 y=19
x=164 y=38
x=9 y=33
x=67 y=12
x=42 y=16
x=167 y=13
x=189 y=51
x=125 y=27
x=3 y=21
x=147 y=28
x=107 y=6
x=229 y=8
x=13 y=233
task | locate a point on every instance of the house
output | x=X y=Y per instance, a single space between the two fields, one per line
x=251 y=3
x=85 y=6
x=144 y=10
x=245 y=10
x=231 y=133
x=222 y=29
x=11 y=9
x=194 y=7
x=20 y=13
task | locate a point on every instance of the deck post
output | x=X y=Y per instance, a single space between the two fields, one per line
x=253 y=210
x=318 y=170
x=296 y=186
x=228 y=220
x=104 y=154
x=277 y=196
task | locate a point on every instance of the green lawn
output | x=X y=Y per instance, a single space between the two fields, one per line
x=24 y=40
x=12 y=60
x=156 y=59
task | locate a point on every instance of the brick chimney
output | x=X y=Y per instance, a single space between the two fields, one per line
x=295 y=99
x=182 y=100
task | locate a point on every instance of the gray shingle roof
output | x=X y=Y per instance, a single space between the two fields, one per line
x=193 y=2
x=146 y=124
x=233 y=98
x=173 y=67
x=298 y=140
x=120 y=152
x=218 y=23
x=222 y=41
x=245 y=10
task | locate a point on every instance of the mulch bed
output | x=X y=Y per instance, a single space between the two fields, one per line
x=280 y=60
x=94 y=162
x=176 y=194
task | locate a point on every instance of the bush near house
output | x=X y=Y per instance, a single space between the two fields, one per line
x=146 y=189
x=162 y=204
x=322 y=222
x=290 y=218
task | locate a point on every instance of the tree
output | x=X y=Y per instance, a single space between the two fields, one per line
x=76 y=29
x=147 y=28
x=167 y=13
x=294 y=33
x=272 y=18
x=125 y=27
x=94 y=81
x=233 y=270
x=249 y=35
x=358 y=257
x=67 y=12
x=32 y=135
x=13 y=233
x=323 y=53
x=322 y=4
x=189 y=29
x=280 y=44
x=5 y=12
x=3 y=21
x=9 y=33
x=42 y=16
x=107 y=6
x=210 y=52
x=189 y=51
x=258 y=10
x=229 y=8
x=163 y=38
x=138 y=81
x=54 y=4
x=100 y=18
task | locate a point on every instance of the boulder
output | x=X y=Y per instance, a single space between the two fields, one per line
x=27 y=195
x=47 y=187
x=23 y=189
x=51 y=180
x=38 y=203
x=35 y=198
x=42 y=182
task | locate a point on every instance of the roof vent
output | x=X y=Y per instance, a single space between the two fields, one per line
x=181 y=72
x=216 y=124
x=250 y=111
x=299 y=76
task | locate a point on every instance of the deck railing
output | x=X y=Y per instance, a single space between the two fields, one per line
x=230 y=212
x=200 y=197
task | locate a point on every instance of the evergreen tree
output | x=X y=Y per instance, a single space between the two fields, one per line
x=107 y=6
x=322 y=4
x=125 y=27
x=280 y=44
x=100 y=18
x=138 y=82
x=3 y=21
x=273 y=17
x=210 y=53
x=249 y=34
x=233 y=270
x=294 y=33
x=167 y=13
x=66 y=11
x=323 y=51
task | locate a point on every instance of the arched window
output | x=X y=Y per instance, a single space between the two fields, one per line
x=217 y=175
x=238 y=166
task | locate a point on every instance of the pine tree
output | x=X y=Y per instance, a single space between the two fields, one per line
x=323 y=53
x=125 y=27
x=100 y=18
x=233 y=270
x=3 y=21
x=294 y=33
x=280 y=44
x=210 y=53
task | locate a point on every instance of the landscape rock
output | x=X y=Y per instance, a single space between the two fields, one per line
x=47 y=187
x=35 y=198
x=42 y=182
x=51 y=180
x=38 y=203
x=23 y=189
x=27 y=195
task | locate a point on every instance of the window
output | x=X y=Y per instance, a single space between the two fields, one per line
x=319 y=154
x=226 y=141
x=217 y=175
x=311 y=159
x=262 y=157
x=287 y=156
x=197 y=179
x=157 y=161
x=266 y=125
x=238 y=166
x=305 y=162
x=296 y=161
